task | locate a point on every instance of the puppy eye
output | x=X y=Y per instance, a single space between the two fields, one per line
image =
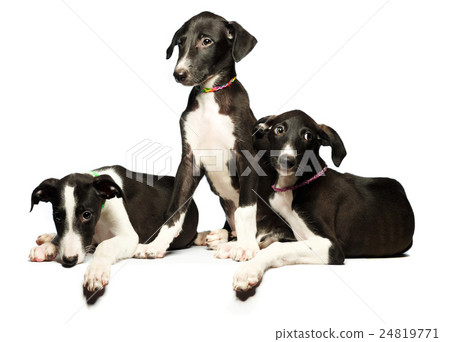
x=279 y=130
x=307 y=136
x=57 y=217
x=86 y=216
x=206 y=41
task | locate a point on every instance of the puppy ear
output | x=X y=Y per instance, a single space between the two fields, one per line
x=260 y=130
x=243 y=42
x=45 y=192
x=106 y=187
x=329 y=137
x=174 y=42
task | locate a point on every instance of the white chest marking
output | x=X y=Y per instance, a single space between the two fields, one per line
x=282 y=203
x=212 y=144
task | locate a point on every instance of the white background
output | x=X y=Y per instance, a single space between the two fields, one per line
x=81 y=82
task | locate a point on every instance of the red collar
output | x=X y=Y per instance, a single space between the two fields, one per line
x=306 y=182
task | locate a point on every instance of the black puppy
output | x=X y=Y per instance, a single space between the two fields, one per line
x=83 y=218
x=216 y=131
x=332 y=215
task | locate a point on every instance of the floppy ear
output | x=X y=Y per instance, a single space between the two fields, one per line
x=175 y=38
x=45 y=192
x=243 y=42
x=260 y=130
x=329 y=137
x=106 y=187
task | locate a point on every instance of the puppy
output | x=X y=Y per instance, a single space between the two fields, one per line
x=108 y=208
x=332 y=215
x=216 y=132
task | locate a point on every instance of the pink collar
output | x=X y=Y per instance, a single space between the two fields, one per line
x=306 y=182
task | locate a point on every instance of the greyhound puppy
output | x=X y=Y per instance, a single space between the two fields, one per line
x=332 y=215
x=216 y=132
x=111 y=208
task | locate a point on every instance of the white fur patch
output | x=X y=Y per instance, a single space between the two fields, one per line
x=211 y=140
x=281 y=202
x=288 y=150
x=183 y=63
x=70 y=244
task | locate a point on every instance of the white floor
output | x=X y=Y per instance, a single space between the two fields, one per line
x=188 y=296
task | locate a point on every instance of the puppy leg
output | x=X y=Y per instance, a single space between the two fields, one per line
x=183 y=190
x=158 y=247
x=43 y=238
x=47 y=251
x=311 y=251
x=106 y=254
x=246 y=246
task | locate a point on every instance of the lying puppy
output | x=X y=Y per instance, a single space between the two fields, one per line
x=332 y=215
x=83 y=218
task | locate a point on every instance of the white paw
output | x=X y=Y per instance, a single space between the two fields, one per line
x=244 y=251
x=152 y=250
x=216 y=238
x=247 y=276
x=43 y=238
x=97 y=275
x=45 y=252
x=200 y=240
x=224 y=250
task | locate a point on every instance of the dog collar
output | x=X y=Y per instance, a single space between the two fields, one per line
x=306 y=182
x=213 y=89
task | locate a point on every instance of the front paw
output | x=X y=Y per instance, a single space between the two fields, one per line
x=44 y=252
x=224 y=250
x=152 y=250
x=97 y=276
x=43 y=238
x=247 y=276
x=216 y=238
x=244 y=251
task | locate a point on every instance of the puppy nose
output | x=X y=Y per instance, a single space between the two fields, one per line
x=69 y=261
x=287 y=161
x=180 y=75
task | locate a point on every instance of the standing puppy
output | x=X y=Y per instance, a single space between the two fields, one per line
x=332 y=215
x=216 y=132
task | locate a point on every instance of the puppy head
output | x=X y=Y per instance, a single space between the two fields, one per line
x=293 y=135
x=207 y=45
x=77 y=201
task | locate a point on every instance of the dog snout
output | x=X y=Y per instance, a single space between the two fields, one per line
x=180 y=75
x=286 y=161
x=69 y=261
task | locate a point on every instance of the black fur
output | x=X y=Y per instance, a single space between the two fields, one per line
x=362 y=217
x=145 y=205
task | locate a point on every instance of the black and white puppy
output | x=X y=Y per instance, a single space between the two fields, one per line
x=216 y=130
x=332 y=215
x=111 y=208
